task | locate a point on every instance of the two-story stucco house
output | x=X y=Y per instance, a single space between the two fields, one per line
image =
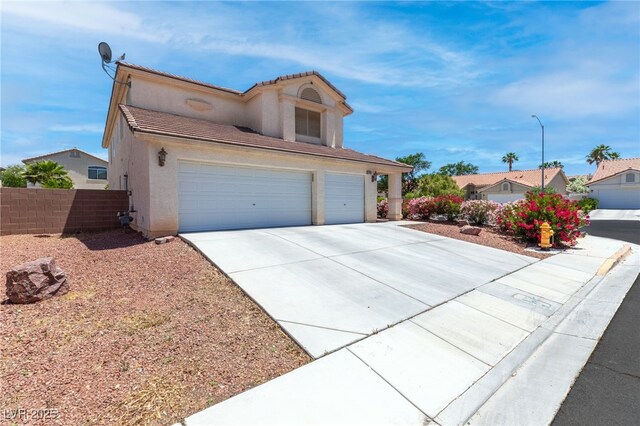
x=196 y=156
x=616 y=184
x=85 y=170
x=504 y=187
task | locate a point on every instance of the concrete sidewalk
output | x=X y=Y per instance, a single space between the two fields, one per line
x=610 y=214
x=477 y=357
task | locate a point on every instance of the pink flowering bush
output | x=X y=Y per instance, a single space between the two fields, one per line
x=420 y=208
x=479 y=211
x=383 y=208
x=524 y=217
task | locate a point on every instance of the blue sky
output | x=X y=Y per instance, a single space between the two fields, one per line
x=456 y=81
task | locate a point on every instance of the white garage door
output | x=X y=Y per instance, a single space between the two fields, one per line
x=213 y=197
x=619 y=199
x=344 y=198
x=504 y=198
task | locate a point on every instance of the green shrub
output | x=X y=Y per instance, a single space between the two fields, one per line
x=13 y=177
x=435 y=185
x=587 y=204
x=448 y=205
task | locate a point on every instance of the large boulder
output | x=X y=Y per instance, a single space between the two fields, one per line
x=35 y=281
x=470 y=230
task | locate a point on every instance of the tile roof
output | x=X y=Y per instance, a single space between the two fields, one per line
x=608 y=168
x=161 y=123
x=27 y=160
x=237 y=92
x=525 y=177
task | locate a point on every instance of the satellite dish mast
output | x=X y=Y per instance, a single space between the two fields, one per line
x=105 y=54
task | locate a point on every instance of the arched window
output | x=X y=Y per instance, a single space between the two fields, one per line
x=310 y=94
x=505 y=186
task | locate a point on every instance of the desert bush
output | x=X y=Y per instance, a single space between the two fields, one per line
x=479 y=211
x=587 y=204
x=435 y=185
x=524 y=217
x=579 y=185
x=383 y=208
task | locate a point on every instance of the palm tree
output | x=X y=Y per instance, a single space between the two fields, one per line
x=44 y=171
x=510 y=158
x=600 y=153
x=552 y=164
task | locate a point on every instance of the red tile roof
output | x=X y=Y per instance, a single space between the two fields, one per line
x=608 y=168
x=161 y=123
x=529 y=178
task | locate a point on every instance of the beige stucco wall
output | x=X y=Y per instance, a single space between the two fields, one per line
x=155 y=196
x=618 y=181
x=269 y=110
x=559 y=184
x=77 y=167
x=131 y=158
x=514 y=188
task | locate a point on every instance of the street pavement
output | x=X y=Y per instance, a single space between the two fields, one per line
x=607 y=391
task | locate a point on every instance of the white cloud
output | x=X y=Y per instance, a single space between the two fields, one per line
x=78 y=128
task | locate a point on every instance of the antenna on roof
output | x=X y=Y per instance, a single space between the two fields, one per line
x=105 y=55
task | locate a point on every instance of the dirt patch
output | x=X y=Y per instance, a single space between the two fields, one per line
x=148 y=334
x=488 y=237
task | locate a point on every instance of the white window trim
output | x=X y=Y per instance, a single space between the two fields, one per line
x=630 y=182
x=306 y=138
x=508 y=188
x=106 y=169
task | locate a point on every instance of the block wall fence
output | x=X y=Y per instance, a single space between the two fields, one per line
x=54 y=211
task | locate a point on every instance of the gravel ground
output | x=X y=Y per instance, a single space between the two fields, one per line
x=148 y=334
x=488 y=237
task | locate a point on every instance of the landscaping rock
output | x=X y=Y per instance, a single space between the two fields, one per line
x=470 y=230
x=163 y=240
x=463 y=222
x=35 y=281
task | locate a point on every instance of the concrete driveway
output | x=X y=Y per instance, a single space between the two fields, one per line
x=329 y=286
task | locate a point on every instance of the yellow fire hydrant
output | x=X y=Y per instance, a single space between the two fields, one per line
x=545 y=236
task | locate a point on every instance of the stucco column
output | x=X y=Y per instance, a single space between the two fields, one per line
x=317 y=198
x=288 y=120
x=370 y=199
x=395 y=196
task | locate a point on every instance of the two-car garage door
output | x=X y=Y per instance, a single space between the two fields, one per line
x=213 y=197
x=216 y=197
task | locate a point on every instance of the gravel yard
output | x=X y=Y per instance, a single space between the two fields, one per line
x=148 y=334
x=488 y=237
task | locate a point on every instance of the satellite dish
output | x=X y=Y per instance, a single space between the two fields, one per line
x=105 y=55
x=105 y=52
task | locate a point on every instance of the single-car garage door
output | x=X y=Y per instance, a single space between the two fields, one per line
x=213 y=197
x=344 y=198
x=504 y=198
x=619 y=198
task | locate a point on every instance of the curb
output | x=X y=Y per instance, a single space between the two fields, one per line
x=613 y=260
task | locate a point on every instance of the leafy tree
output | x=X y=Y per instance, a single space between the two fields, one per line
x=579 y=185
x=601 y=153
x=458 y=169
x=551 y=164
x=12 y=177
x=63 y=182
x=410 y=179
x=510 y=158
x=47 y=173
x=434 y=185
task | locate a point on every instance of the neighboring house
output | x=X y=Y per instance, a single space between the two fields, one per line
x=85 y=170
x=616 y=184
x=504 y=187
x=197 y=157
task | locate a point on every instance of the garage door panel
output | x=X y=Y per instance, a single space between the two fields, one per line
x=619 y=198
x=344 y=198
x=213 y=197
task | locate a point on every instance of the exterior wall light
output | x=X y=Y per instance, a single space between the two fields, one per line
x=162 y=156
